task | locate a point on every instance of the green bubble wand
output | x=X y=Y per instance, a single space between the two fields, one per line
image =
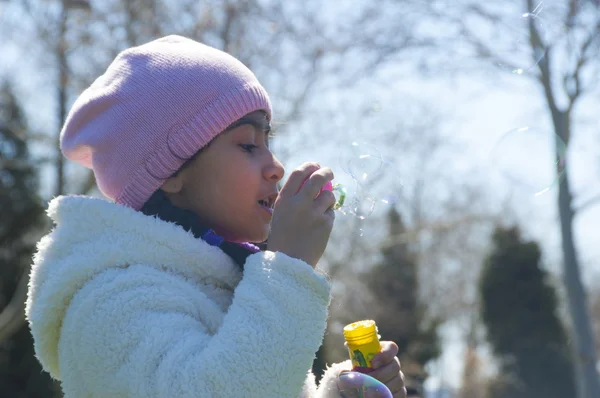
x=339 y=188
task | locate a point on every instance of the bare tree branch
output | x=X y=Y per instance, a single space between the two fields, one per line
x=546 y=75
x=575 y=76
x=231 y=14
x=586 y=204
x=12 y=317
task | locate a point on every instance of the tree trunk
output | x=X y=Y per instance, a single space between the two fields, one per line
x=584 y=356
x=61 y=54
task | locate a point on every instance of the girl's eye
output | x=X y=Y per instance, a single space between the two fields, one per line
x=248 y=147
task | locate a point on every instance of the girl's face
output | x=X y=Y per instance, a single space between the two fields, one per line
x=225 y=182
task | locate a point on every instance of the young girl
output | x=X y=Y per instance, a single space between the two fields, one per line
x=158 y=293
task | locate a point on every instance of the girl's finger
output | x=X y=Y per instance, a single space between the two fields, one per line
x=297 y=177
x=397 y=386
x=316 y=181
x=389 y=350
x=387 y=372
x=325 y=201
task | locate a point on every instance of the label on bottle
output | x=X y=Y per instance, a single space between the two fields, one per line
x=362 y=355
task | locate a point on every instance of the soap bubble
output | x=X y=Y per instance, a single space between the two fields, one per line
x=359 y=204
x=365 y=161
x=365 y=165
x=517 y=55
x=376 y=107
x=355 y=385
x=530 y=158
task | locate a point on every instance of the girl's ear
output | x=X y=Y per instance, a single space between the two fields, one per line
x=173 y=185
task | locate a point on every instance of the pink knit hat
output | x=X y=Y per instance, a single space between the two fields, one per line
x=154 y=108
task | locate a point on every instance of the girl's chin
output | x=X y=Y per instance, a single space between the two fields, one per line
x=255 y=237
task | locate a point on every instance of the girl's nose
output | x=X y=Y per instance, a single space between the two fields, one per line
x=274 y=171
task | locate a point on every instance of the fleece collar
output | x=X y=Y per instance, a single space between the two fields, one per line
x=129 y=236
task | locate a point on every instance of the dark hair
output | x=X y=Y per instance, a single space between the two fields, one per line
x=257 y=119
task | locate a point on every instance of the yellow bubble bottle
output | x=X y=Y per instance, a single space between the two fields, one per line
x=363 y=344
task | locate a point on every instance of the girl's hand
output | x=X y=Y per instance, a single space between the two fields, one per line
x=303 y=217
x=387 y=369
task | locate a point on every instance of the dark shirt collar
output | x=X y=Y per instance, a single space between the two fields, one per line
x=161 y=207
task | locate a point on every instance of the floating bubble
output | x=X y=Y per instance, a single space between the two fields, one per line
x=360 y=205
x=376 y=107
x=518 y=55
x=366 y=167
x=359 y=385
x=532 y=159
x=365 y=161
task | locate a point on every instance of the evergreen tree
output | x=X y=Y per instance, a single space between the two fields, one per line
x=398 y=311
x=519 y=310
x=20 y=213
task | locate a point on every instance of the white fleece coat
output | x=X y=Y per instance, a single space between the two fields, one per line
x=125 y=305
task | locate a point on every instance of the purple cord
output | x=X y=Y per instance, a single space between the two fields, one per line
x=251 y=247
x=213 y=239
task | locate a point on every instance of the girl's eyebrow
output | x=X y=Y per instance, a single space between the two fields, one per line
x=259 y=124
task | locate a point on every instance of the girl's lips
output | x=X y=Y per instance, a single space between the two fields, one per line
x=267 y=209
